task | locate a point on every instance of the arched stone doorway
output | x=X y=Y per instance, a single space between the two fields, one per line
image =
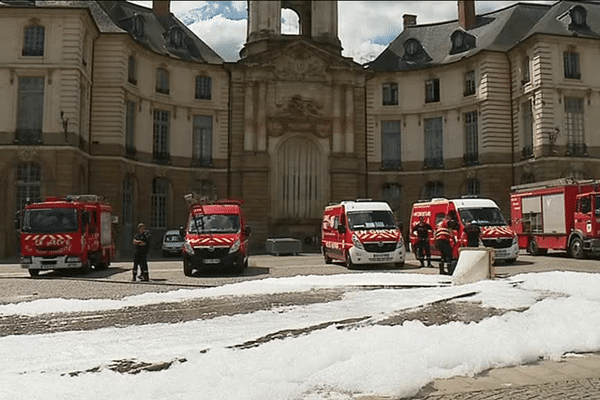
x=298 y=186
x=299 y=179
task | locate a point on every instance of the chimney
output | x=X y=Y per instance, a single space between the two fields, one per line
x=161 y=7
x=409 y=20
x=466 y=14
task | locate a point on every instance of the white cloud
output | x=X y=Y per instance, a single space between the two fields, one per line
x=224 y=36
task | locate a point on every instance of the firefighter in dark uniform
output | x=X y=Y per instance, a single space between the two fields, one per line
x=423 y=249
x=445 y=239
x=473 y=231
x=141 y=241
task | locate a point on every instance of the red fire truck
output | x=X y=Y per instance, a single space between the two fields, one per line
x=562 y=214
x=66 y=233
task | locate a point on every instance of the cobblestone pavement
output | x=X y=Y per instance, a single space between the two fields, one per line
x=561 y=390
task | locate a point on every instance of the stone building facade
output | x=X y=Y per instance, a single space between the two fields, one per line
x=124 y=101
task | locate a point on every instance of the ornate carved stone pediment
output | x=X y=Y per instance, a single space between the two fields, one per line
x=297 y=106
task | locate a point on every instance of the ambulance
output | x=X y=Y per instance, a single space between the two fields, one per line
x=361 y=232
x=495 y=231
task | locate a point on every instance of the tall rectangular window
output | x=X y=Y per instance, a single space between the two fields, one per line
x=469 y=83
x=33 y=41
x=390 y=94
x=162 y=81
x=391 y=150
x=432 y=90
x=434 y=190
x=571 y=60
x=574 y=126
x=132 y=70
x=28 y=184
x=203 y=87
x=30 y=112
x=130 y=127
x=161 y=136
x=434 y=150
x=473 y=187
x=158 y=214
x=471 y=138
x=525 y=70
x=202 y=138
x=527 y=112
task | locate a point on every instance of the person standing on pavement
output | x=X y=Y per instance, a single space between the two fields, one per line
x=423 y=249
x=473 y=231
x=141 y=241
x=445 y=239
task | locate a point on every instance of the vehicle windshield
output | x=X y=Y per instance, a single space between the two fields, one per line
x=50 y=220
x=215 y=223
x=173 y=238
x=371 y=220
x=487 y=216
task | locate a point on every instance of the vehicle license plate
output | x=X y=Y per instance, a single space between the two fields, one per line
x=381 y=257
x=212 y=261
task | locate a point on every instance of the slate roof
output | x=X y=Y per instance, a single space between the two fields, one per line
x=499 y=30
x=118 y=17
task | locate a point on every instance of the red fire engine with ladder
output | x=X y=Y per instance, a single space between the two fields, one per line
x=74 y=232
x=562 y=214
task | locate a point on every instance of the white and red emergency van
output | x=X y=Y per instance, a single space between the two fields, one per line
x=66 y=233
x=495 y=232
x=216 y=237
x=562 y=214
x=361 y=232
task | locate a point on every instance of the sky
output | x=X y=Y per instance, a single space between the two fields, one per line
x=561 y=318
x=365 y=27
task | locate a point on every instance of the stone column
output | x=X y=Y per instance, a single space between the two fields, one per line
x=262 y=116
x=349 y=136
x=249 y=118
x=337 y=122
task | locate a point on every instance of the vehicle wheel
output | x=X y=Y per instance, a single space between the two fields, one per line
x=86 y=268
x=532 y=247
x=34 y=272
x=349 y=263
x=187 y=268
x=399 y=265
x=576 y=248
x=328 y=260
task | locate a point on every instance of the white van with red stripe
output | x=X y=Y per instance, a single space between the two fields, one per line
x=216 y=237
x=495 y=231
x=361 y=232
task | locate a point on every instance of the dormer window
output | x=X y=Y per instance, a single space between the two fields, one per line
x=413 y=51
x=578 y=16
x=411 y=47
x=137 y=26
x=461 y=41
x=174 y=37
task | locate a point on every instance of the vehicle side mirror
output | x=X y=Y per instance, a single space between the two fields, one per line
x=342 y=229
x=247 y=231
x=182 y=232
